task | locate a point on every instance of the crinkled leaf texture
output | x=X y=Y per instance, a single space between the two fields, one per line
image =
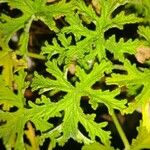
x=31 y=10
x=134 y=79
x=12 y=122
x=15 y=115
x=70 y=103
x=144 y=32
x=142 y=7
x=68 y=108
x=74 y=42
x=138 y=81
x=91 y=43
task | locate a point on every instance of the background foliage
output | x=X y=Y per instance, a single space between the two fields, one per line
x=74 y=71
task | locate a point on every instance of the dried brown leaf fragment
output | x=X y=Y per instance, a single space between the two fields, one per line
x=51 y=1
x=143 y=54
x=97 y=7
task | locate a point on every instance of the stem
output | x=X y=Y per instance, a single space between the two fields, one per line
x=121 y=132
x=34 y=55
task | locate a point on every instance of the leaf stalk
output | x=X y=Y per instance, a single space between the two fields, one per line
x=120 y=131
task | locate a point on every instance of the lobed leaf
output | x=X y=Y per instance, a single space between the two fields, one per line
x=120 y=48
x=139 y=143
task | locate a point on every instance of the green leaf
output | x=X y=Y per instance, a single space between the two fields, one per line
x=23 y=42
x=133 y=79
x=12 y=129
x=14 y=122
x=93 y=41
x=108 y=98
x=133 y=76
x=95 y=75
x=47 y=84
x=144 y=32
x=96 y=146
x=14 y=126
x=142 y=8
x=70 y=102
x=77 y=27
x=95 y=129
x=71 y=118
x=120 y=48
x=80 y=40
x=68 y=52
x=32 y=10
x=122 y=19
x=8 y=101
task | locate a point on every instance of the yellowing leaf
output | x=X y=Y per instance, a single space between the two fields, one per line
x=146 y=115
x=10 y=64
x=142 y=140
x=30 y=133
